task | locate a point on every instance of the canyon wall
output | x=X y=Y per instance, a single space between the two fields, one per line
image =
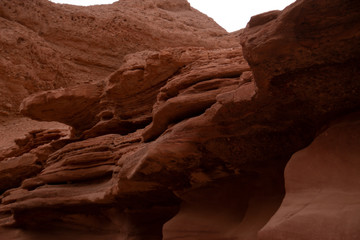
x=213 y=141
x=47 y=46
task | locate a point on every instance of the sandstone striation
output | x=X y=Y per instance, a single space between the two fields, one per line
x=46 y=45
x=192 y=143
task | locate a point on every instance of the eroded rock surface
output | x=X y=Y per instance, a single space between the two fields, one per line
x=304 y=36
x=322 y=184
x=171 y=133
x=189 y=77
x=46 y=45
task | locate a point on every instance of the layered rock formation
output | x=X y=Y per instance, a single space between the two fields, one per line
x=46 y=46
x=192 y=143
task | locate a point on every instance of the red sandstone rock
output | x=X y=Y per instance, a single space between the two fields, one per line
x=12 y=128
x=189 y=124
x=75 y=107
x=15 y=170
x=322 y=188
x=28 y=158
x=31 y=141
x=46 y=45
x=195 y=88
x=76 y=180
x=126 y=102
x=302 y=36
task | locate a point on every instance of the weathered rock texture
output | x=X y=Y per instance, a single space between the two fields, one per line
x=192 y=143
x=46 y=46
x=322 y=188
x=307 y=35
x=12 y=128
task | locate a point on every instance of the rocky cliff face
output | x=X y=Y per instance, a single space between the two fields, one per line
x=47 y=46
x=192 y=143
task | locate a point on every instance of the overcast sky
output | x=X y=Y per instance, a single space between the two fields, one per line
x=230 y=14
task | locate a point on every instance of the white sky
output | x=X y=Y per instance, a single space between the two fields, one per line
x=230 y=14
